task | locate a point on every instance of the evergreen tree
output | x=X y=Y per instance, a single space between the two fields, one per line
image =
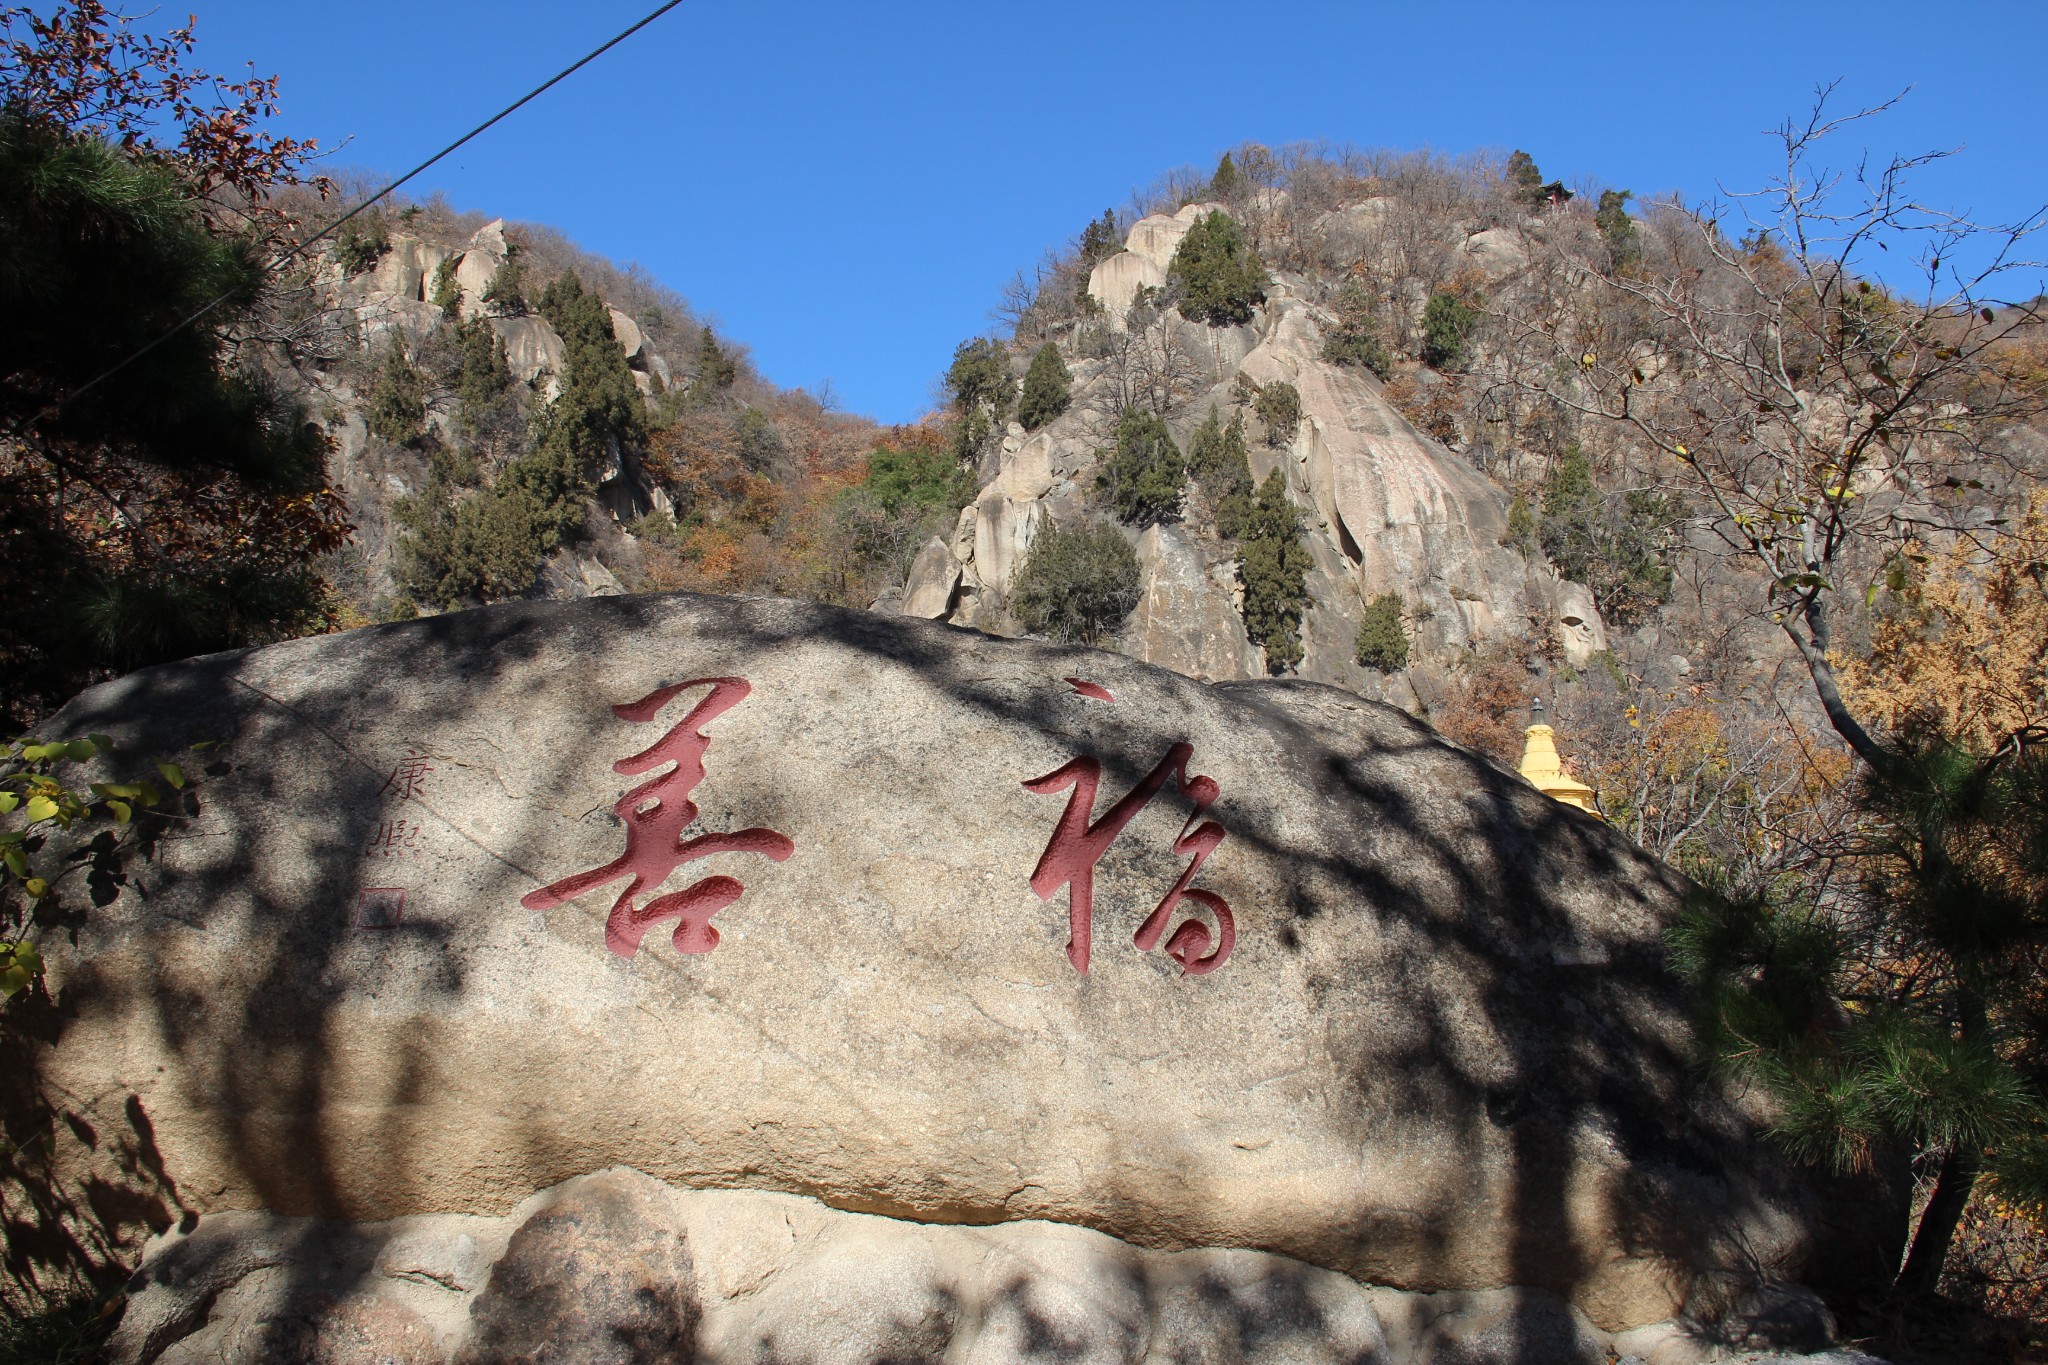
x=1218 y=460
x=485 y=406
x=759 y=443
x=457 y=551
x=1521 y=532
x=447 y=294
x=1220 y=277
x=505 y=295
x=716 y=371
x=1618 y=231
x=1226 y=184
x=361 y=243
x=1447 y=326
x=1076 y=584
x=1524 y=180
x=1272 y=564
x=1569 y=533
x=1047 y=388
x=979 y=378
x=113 y=234
x=599 y=407
x=1619 y=547
x=923 y=478
x=1942 y=1047
x=1099 y=240
x=982 y=389
x=1279 y=407
x=1382 y=638
x=1144 y=472
x=397 y=399
x=1355 y=340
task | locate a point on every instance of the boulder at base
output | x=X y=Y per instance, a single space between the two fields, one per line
x=429 y=943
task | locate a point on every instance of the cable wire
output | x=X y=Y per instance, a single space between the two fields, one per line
x=299 y=250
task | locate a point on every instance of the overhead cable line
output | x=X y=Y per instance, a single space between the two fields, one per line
x=287 y=257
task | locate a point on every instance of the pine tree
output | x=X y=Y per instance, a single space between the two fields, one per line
x=1047 y=388
x=979 y=377
x=599 y=406
x=1226 y=184
x=447 y=294
x=1447 y=326
x=397 y=399
x=485 y=406
x=1272 y=564
x=505 y=295
x=109 y=245
x=1355 y=340
x=1279 y=407
x=1570 y=509
x=1220 y=277
x=716 y=371
x=361 y=243
x=1076 y=584
x=1217 y=459
x=1524 y=180
x=1382 y=638
x=1521 y=532
x=982 y=390
x=1144 y=472
x=1099 y=239
x=1618 y=231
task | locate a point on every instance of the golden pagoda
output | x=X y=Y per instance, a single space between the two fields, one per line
x=1545 y=770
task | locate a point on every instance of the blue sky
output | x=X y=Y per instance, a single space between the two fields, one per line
x=845 y=187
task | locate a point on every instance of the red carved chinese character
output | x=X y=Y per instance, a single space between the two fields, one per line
x=408 y=776
x=1077 y=846
x=655 y=814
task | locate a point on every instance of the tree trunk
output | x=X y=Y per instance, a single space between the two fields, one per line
x=1952 y=1187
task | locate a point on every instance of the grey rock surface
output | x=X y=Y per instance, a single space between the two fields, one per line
x=934 y=581
x=1427 y=1042
x=1385 y=508
x=617 y=1267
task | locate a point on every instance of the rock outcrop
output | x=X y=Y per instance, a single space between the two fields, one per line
x=1387 y=508
x=1403 y=1018
x=615 y=1266
x=393 y=301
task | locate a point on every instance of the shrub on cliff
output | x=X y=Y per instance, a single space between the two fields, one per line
x=397 y=399
x=1077 y=584
x=1355 y=340
x=361 y=244
x=1144 y=472
x=1048 y=389
x=1220 y=277
x=1272 y=563
x=1217 y=459
x=1279 y=407
x=1382 y=638
x=1447 y=326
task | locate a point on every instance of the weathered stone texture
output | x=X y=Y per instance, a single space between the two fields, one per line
x=1443 y=1053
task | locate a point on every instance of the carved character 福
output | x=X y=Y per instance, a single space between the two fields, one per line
x=1077 y=846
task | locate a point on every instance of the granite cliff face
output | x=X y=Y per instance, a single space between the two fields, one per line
x=393 y=301
x=1387 y=509
x=1351 y=995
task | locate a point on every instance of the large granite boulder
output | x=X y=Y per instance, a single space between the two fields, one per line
x=616 y=1267
x=761 y=895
